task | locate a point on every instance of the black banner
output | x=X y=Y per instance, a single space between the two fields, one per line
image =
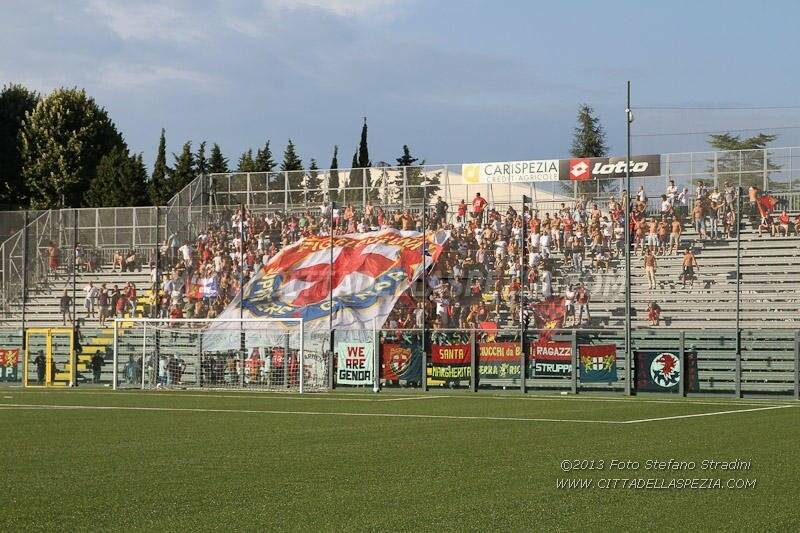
x=658 y=371
x=595 y=168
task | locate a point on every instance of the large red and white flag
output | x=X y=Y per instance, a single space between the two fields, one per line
x=369 y=273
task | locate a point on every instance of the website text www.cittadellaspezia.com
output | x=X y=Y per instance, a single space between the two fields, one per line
x=655 y=483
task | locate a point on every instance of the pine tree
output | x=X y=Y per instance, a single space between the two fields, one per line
x=264 y=161
x=15 y=102
x=200 y=161
x=61 y=144
x=217 y=163
x=121 y=181
x=292 y=165
x=184 y=171
x=246 y=162
x=158 y=187
x=589 y=140
x=333 y=177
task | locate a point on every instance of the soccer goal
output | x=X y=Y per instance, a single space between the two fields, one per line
x=245 y=354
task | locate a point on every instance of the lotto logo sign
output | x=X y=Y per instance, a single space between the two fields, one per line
x=580 y=169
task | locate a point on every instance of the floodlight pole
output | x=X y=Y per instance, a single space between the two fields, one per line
x=627 y=206
x=24 y=273
x=331 y=380
x=242 y=344
x=424 y=381
x=738 y=369
x=522 y=354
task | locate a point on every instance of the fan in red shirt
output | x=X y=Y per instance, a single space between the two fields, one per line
x=783 y=223
x=478 y=205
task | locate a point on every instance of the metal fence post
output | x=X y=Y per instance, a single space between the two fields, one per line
x=682 y=362
x=24 y=269
x=376 y=356
x=424 y=299
x=797 y=365
x=574 y=346
x=473 y=363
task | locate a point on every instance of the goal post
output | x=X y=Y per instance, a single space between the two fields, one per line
x=230 y=353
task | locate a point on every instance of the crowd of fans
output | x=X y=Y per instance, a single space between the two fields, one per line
x=481 y=276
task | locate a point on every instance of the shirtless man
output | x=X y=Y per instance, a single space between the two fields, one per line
x=675 y=236
x=689 y=264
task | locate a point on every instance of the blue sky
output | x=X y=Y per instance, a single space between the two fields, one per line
x=457 y=81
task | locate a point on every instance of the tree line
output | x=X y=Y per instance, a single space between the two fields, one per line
x=63 y=150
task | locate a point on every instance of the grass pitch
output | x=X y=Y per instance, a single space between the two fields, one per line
x=176 y=460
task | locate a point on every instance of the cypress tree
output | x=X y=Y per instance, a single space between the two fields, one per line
x=158 y=180
x=333 y=177
x=184 y=171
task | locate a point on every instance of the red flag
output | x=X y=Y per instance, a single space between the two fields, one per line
x=766 y=204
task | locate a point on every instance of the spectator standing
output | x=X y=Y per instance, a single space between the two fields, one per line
x=654 y=313
x=90 y=295
x=64 y=303
x=547 y=283
x=650 y=269
x=582 y=301
x=53 y=255
x=569 y=302
x=688 y=266
x=683 y=203
x=130 y=296
x=675 y=236
x=478 y=207
x=699 y=215
x=97 y=366
x=102 y=303
x=671 y=192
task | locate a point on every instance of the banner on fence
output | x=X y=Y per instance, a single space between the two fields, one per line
x=661 y=371
x=511 y=171
x=9 y=359
x=499 y=360
x=449 y=363
x=401 y=361
x=598 y=363
x=355 y=363
x=551 y=358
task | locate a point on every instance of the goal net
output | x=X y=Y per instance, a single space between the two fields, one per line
x=249 y=353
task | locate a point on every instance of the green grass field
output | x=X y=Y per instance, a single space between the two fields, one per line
x=102 y=460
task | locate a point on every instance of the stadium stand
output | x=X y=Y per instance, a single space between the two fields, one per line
x=477 y=280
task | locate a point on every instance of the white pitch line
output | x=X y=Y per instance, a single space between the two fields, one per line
x=372 y=397
x=408 y=399
x=714 y=413
x=12 y=407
